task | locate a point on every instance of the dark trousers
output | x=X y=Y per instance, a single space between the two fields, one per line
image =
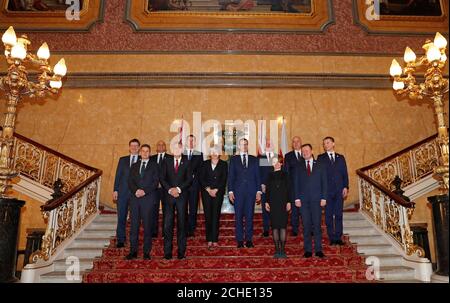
x=122 y=213
x=141 y=210
x=265 y=214
x=193 y=196
x=295 y=218
x=311 y=217
x=212 y=207
x=333 y=216
x=244 y=207
x=155 y=213
x=172 y=204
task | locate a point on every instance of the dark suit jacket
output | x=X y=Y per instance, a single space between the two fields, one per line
x=244 y=180
x=216 y=178
x=195 y=162
x=312 y=187
x=337 y=174
x=121 y=178
x=182 y=179
x=148 y=182
x=290 y=162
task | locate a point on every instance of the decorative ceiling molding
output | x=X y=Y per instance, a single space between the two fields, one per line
x=52 y=21
x=143 y=20
x=225 y=80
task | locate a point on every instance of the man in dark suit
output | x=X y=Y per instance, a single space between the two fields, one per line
x=244 y=186
x=176 y=178
x=265 y=167
x=143 y=183
x=121 y=192
x=160 y=156
x=195 y=160
x=291 y=161
x=311 y=196
x=337 y=190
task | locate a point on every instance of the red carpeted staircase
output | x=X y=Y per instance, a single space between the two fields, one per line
x=228 y=263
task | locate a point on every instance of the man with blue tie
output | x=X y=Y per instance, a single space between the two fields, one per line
x=121 y=192
x=244 y=187
x=291 y=160
x=195 y=161
x=143 y=183
x=265 y=167
x=311 y=196
x=337 y=190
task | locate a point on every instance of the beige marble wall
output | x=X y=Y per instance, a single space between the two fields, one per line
x=94 y=125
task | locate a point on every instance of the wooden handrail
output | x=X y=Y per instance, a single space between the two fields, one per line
x=388 y=158
x=396 y=198
x=59 y=201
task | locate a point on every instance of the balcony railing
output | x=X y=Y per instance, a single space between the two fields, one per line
x=388 y=210
x=66 y=215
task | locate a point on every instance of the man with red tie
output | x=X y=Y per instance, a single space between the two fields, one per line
x=311 y=195
x=176 y=178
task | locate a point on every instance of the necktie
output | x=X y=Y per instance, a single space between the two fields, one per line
x=190 y=155
x=332 y=158
x=142 y=169
x=308 y=168
x=133 y=160
x=244 y=161
x=176 y=166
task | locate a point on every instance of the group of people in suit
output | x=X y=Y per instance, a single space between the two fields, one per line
x=299 y=185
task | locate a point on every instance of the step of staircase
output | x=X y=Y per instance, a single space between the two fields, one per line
x=86 y=247
x=370 y=242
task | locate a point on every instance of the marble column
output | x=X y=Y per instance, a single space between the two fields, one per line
x=439 y=205
x=9 y=232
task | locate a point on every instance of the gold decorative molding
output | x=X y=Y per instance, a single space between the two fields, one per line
x=401 y=25
x=138 y=15
x=91 y=12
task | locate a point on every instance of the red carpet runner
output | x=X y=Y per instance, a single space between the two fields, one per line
x=228 y=263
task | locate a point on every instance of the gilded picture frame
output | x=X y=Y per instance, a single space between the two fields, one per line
x=374 y=21
x=34 y=19
x=142 y=19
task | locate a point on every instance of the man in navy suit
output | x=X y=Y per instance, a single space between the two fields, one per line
x=311 y=196
x=291 y=161
x=160 y=156
x=265 y=167
x=244 y=187
x=337 y=190
x=176 y=178
x=195 y=160
x=143 y=183
x=121 y=192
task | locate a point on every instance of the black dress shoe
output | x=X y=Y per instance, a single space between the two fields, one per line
x=181 y=257
x=265 y=234
x=120 y=245
x=307 y=254
x=320 y=254
x=147 y=256
x=131 y=256
x=249 y=244
x=240 y=244
x=339 y=242
x=168 y=257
